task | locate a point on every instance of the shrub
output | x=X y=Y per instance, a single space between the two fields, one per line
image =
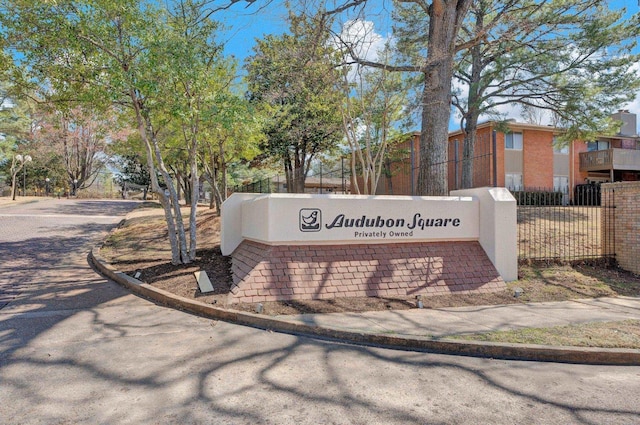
x=538 y=197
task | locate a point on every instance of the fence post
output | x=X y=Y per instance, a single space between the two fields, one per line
x=456 y=160
x=413 y=155
x=342 y=173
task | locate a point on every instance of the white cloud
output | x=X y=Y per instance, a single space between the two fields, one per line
x=363 y=41
x=361 y=35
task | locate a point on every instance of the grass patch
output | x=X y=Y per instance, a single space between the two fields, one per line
x=625 y=334
x=559 y=232
x=141 y=244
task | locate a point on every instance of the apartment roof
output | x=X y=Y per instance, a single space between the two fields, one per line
x=514 y=125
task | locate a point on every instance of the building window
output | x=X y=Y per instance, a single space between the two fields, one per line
x=598 y=145
x=560 y=147
x=513 y=141
x=561 y=184
x=513 y=181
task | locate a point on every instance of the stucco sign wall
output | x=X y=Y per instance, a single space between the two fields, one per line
x=318 y=219
x=304 y=219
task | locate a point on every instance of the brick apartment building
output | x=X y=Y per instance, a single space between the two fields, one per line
x=526 y=157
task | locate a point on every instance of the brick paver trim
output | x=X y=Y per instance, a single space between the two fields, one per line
x=274 y=273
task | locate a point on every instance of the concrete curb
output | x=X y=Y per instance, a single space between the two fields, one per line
x=580 y=355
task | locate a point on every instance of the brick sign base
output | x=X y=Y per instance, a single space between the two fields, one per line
x=275 y=273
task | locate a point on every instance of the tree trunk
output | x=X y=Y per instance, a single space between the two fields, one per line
x=433 y=173
x=217 y=198
x=222 y=193
x=211 y=175
x=288 y=174
x=13 y=185
x=179 y=184
x=299 y=178
x=355 y=186
x=146 y=136
x=173 y=201
x=298 y=171
x=166 y=205
x=468 y=149
x=445 y=18
x=195 y=188
x=474 y=102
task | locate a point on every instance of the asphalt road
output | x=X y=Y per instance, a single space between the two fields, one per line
x=76 y=348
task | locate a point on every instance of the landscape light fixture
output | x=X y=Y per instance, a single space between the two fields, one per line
x=22 y=160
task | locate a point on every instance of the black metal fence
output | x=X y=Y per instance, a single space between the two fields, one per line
x=322 y=180
x=555 y=225
x=479 y=169
x=552 y=225
x=259 y=186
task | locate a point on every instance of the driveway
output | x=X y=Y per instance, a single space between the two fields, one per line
x=76 y=348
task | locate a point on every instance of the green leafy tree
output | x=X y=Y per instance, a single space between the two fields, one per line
x=233 y=135
x=572 y=58
x=138 y=55
x=293 y=78
x=132 y=170
x=193 y=67
x=81 y=136
x=15 y=135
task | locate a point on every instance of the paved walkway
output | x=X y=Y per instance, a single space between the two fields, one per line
x=419 y=328
x=447 y=322
x=428 y=329
x=78 y=349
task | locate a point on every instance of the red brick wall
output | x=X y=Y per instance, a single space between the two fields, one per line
x=483 y=162
x=500 y=158
x=537 y=159
x=578 y=176
x=626 y=223
x=269 y=273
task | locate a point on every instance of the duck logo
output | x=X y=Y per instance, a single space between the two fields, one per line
x=310 y=220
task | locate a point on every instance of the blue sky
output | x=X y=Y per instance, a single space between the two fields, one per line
x=245 y=24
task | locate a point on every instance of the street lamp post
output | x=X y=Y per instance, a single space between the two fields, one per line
x=75 y=186
x=46 y=187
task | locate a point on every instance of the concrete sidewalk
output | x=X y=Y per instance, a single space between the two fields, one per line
x=447 y=322
x=7 y=201
x=426 y=329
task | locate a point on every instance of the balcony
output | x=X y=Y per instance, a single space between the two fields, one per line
x=610 y=159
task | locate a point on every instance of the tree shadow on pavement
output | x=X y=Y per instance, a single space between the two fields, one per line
x=76 y=348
